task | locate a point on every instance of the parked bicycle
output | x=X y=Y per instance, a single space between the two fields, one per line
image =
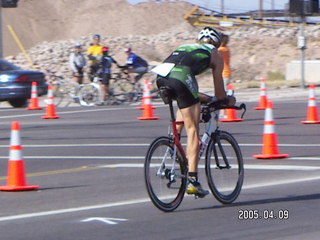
x=166 y=166
x=87 y=94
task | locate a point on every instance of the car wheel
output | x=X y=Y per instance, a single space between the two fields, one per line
x=18 y=103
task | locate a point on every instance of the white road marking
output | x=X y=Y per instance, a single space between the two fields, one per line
x=141 y=145
x=246 y=166
x=137 y=201
x=83 y=145
x=70 y=210
x=110 y=221
x=76 y=111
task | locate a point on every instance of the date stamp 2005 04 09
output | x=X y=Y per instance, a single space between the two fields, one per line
x=254 y=214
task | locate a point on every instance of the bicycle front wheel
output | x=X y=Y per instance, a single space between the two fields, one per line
x=90 y=94
x=165 y=175
x=123 y=90
x=224 y=167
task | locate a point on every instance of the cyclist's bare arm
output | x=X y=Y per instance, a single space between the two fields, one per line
x=216 y=64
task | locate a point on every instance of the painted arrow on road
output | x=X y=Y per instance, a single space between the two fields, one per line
x=111 y=221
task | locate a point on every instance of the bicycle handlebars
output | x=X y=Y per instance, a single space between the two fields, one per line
x=215 y=105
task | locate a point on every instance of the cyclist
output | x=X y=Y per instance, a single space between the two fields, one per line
x=77 y=62
x=136 y=65
x=94 y=53
x=178 y=71
x=105 y=71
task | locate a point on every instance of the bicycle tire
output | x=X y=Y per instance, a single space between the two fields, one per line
x=89 y=94
x=58 y=93
x=65 y=91
x=122 y=90
x=164 y=196
x=225 y=183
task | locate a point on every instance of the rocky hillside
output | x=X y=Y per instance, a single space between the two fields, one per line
x=152 y=29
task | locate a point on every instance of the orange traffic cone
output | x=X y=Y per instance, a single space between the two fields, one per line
x=147 y=113
x=263 y=96
x=312 y=111
x=270 y=143
x=231 y=114
x=146 y=94
x=34 y=103
x=51 y=109
x=16 y=180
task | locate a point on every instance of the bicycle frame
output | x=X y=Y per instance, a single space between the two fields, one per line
x=210 y=129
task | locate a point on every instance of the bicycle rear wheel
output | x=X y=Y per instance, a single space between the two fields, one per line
x=165 y=177
x=224 y=167
x=64 y=91
x=90 y=94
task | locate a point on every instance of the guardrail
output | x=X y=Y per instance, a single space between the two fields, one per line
x=199 y=16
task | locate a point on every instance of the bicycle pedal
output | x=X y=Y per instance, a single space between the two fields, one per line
x=196 y=196
x=76 y=99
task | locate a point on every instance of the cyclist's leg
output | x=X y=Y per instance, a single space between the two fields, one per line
x=140 y=71
x=80 y=76
x=189 y=106
x=105 y=86
x=191 y=116
x=93 y=70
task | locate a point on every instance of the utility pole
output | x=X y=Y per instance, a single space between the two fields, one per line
x=1 y=42
x=222 y=6
x=5 y=4
x=302 y=46
x=260 y=8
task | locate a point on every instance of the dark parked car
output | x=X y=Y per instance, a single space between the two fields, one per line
x=15 y=84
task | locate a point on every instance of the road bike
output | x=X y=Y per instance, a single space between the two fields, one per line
x=125 y=90
x=87 y=94
x=65 y=91
x=166 y=166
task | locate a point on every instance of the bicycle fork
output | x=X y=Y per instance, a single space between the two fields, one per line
x=222 y=152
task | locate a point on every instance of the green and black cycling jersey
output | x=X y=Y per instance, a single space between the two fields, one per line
x=194 y=56
x=189 y=60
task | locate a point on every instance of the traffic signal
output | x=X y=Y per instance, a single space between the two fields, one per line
x=9 y=3
x=304 y=7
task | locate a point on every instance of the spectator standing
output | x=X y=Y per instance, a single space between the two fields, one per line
x=105 y=71
x=94 y=53
x=225 y=53
x=226 y=73
x=77 y=62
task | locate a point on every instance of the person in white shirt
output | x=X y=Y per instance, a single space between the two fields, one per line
x=77 y=62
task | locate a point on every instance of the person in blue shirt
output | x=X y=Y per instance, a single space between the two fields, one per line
x=136 y=65
x=105 y=71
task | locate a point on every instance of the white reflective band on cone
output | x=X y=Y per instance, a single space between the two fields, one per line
x=15 y=155
x=15 y=138
x=268 y=129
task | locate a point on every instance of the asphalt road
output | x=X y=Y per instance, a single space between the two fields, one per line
x=89 y=166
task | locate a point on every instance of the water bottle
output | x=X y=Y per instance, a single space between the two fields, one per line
x=204 y=142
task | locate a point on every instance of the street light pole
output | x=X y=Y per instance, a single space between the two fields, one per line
x=5 y=4
x=1 y=30
x=260 y=8
x=222 y=6
x=302 y=46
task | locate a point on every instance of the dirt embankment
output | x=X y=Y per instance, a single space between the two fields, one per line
x=48 y=29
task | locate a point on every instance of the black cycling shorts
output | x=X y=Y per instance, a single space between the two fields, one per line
x=181 y=93
x=105 y=78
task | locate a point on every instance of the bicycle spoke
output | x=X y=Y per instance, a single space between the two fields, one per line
x=224 y=167
x=165 y=176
